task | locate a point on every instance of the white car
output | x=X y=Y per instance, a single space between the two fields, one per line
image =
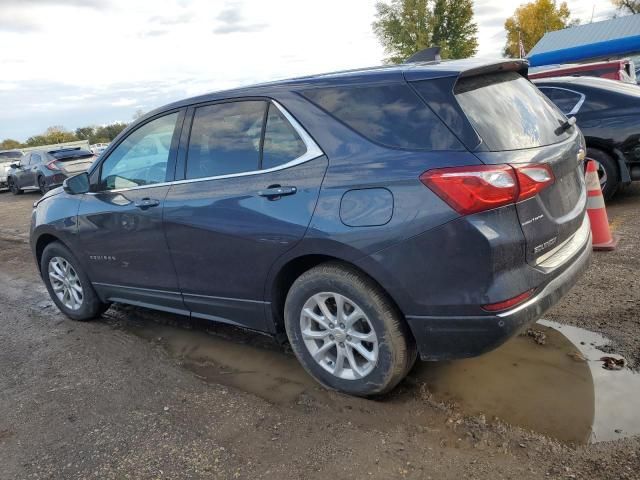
x=7 y=158
x=98 y=148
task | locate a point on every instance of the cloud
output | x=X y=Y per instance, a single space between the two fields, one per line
x=173 y=20
x=154 y=33
x=16 y=23
x=124 y=102
x=232 y=21
x=71 y=3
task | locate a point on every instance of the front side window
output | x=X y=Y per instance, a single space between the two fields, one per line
x=566 y=100
x=35 y=158
x=225 y=139
x=282 y=143
x=142 y=157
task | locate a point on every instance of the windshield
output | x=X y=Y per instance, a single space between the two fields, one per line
x=508 y=112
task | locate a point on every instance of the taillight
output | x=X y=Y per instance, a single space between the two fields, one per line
x=483 y=187
x=533 y=179
x=52 y=165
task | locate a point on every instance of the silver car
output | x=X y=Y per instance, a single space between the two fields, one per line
x=7 y=157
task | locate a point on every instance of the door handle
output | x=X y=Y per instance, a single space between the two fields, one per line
x=147 y=203
x=274 y=192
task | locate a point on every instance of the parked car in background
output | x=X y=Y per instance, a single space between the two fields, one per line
x=7 y=157
x=621 y=70
x=98 y=148
x=608 y=113
x=44 y=170
x=365 y=216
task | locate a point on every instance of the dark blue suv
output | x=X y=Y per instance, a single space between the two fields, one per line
x=366 y=216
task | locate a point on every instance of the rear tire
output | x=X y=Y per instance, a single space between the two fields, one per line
x=68 y=285
x=363 y=354
x=12 y=187
x=607 y=172
x=42 y=185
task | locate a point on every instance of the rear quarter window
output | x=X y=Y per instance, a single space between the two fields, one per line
x=390 y=115
x=508 y=112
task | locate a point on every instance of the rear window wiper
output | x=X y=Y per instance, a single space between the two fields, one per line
x=566 y=125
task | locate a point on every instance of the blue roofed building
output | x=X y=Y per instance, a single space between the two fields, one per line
x=609 y=39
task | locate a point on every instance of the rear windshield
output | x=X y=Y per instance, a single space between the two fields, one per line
x=391 y=115
x=508 y=112
x=10 y=155
x=65 y=155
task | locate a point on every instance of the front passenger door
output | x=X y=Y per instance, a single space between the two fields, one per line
x=120 y=220
x=22 y=174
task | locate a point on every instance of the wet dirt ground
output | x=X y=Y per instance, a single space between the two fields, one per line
x=140 y=394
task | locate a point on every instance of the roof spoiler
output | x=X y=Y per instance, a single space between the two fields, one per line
x=431 y=54
x=519 y=65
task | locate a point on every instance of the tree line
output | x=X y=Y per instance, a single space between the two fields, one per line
x=59 y=134
x=405 y=27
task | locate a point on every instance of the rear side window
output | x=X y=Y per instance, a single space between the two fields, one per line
x=282 y=143
x=391 y=115
x=567 y=101
x=225 y=139
x=508 y=112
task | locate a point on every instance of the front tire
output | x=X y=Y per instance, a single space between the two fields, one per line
x=13 y=187
x=68 y=285
x=346 y=332
x=608 y=173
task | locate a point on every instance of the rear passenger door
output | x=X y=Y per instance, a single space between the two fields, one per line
x=252 y=177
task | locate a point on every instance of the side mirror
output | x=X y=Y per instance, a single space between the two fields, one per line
x=15 y=165
x=77 y=184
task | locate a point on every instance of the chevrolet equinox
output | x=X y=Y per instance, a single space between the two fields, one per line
x=366 y=216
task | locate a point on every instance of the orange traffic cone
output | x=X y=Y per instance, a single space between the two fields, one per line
x=601 y=235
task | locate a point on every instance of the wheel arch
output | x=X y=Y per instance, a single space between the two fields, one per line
x=42 y=242
x=291 y=270
x=613 y=152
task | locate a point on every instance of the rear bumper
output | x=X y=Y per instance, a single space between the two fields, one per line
x=451 y=337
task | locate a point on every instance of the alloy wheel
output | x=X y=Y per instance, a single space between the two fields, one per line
x=602 y=175
x=339 y=335
x=65 y=283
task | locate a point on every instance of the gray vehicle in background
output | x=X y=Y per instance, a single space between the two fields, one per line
x=45 y=170
x=7 y=157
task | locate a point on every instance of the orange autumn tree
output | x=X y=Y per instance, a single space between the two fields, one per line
x=531 y=21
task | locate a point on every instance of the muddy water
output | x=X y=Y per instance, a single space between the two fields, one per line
x=546 y=388
x=538 y=387
x=617 y=392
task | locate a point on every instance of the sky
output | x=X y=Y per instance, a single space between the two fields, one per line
x=92 y=62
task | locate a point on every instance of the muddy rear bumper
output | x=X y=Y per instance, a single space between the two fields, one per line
x=451 y=337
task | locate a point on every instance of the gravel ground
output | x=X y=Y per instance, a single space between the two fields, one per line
x=121 y=398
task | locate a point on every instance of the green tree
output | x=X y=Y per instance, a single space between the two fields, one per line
x=403 y=27
x=531 y=21
x=58 y=134
x=85 y=133
x=408 y=26
x=36 y=141
x=627 y=6
x=454 y=29
x=9 y=144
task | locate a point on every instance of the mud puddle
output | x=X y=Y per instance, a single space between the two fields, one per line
x=616 y=412
x=557 y=388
